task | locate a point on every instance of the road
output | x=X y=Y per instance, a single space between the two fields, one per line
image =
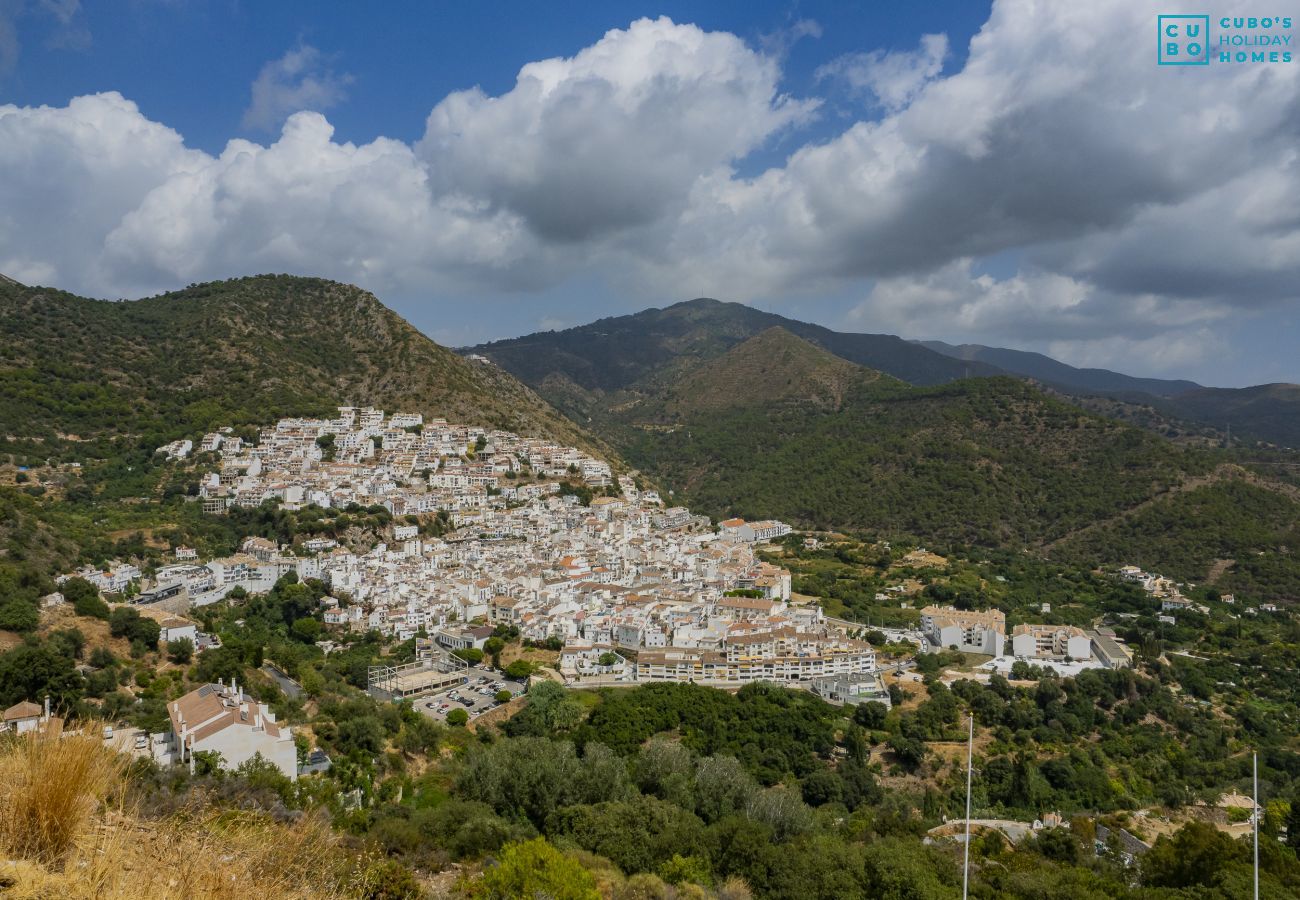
x=290 y=687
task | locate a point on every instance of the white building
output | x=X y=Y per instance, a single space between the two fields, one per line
x=221 y=719
x=1050 y=642
x=969 y=630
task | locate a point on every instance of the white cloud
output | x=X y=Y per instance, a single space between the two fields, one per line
x=70 y=176
x=1037 y=305
x=892 y=78
x=300 y=80
x=614 y=137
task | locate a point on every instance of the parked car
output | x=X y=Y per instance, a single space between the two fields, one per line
x=141 y=742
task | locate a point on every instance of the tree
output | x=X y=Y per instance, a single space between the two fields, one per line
x=84 y=598
x=781 y=809
x=536 y=869
x=519 y=670
x=722 y=787
x=870 y=715
x=1195 y=855
x=180 y=651
x=125 y=621
x=471 y=655
x=307 y=630
x=19 y=614
x=1293 y=825
x=458 y=717
x=503 y=696
x=638 y=835
x=821 y=787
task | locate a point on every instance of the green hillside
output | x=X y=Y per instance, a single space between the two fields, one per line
x=85 y=378
x=1236 y=534
x=1266 y=412
x=989 y=460
x=582 y=365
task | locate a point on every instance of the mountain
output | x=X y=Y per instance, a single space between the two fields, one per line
x=772 y=368
x=1045 y=369
x=76 y=372
x=780 y=427
x=1266 y=412
x=616 y=353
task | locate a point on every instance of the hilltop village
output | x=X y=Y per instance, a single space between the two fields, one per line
x=545 y=540
x=631 y=589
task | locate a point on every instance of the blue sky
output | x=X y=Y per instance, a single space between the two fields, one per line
x=189 y=63
x=1012 y=173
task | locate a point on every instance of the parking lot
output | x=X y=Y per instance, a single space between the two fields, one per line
x=476 y=697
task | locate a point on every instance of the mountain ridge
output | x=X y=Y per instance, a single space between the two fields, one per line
x=1043 y=368
x=581 y=369
x=237 y=352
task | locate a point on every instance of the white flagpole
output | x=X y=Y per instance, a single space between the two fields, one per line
x=1255 y=816
x=970 y=751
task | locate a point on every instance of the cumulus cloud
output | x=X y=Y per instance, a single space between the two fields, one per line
x=614 y=137
x=507 y=193
x=894 y=78
x=300 y=80
x=1146 y=205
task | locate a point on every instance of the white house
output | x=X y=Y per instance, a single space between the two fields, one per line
x=219 y=718
x=22 y=717
x=175 y=629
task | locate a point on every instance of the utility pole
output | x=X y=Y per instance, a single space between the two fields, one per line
x=970 y=755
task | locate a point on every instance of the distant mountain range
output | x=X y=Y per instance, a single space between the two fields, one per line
x=616 y=353
x=1049 y=371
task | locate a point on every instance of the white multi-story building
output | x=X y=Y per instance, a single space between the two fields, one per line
x=1029 y=641
x=221 y=719
x=972 y=631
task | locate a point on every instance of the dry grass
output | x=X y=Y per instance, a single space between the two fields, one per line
x=65 y=833
x=51 y=784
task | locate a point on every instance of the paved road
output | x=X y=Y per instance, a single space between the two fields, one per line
x=290 y=687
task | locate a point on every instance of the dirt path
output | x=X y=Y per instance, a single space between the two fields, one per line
x=1217 y=568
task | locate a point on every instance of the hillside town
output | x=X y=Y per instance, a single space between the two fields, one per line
x=543 y=540
x=632 y=589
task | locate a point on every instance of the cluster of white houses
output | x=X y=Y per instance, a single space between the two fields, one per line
x=400 y=461
x=657 y=590
x=985 y=631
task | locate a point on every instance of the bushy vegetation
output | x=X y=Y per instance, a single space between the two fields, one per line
x=988 y=461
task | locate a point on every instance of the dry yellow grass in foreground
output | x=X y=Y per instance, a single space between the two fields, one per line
x=65 y=834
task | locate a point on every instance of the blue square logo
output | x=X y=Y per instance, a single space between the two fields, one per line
x=1183 y=40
